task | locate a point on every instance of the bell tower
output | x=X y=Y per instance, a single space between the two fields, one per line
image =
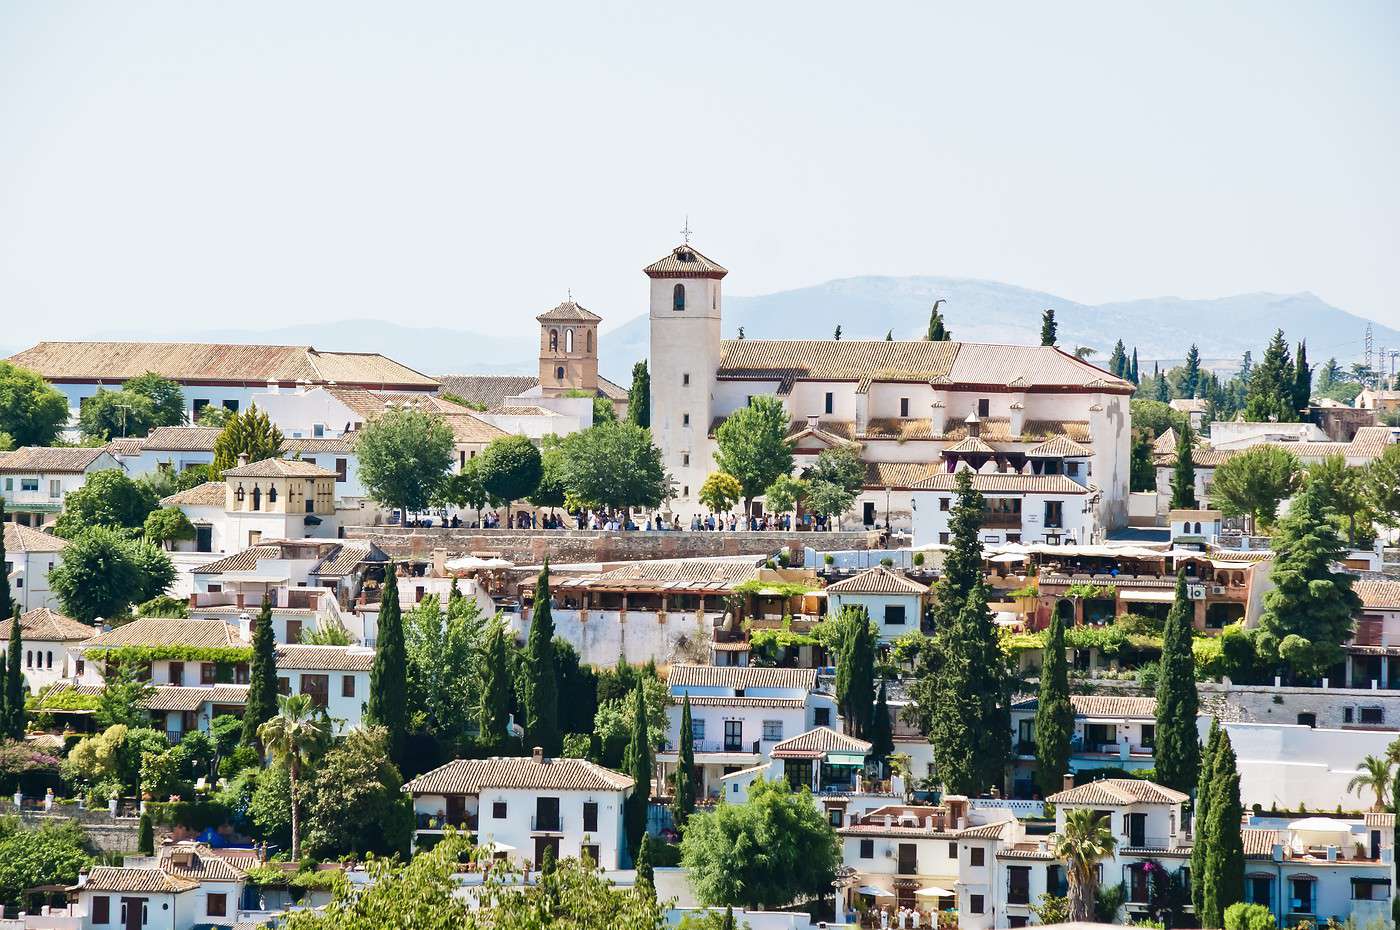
x=568 y=349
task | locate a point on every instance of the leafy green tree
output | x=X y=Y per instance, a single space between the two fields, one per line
x=881 y=730
x=855 y=670
x=1049 y=329
x=639 y=396
x=1085 y=841
x=496 y=690
x=827 y=499
x=841 y=466
x=167 y=525
x=262 y=676
x=443 y=649
x=683 y=797
x=1309 y=612
x=1343 y=490
x=1143 y=467
x=270 y=806
x=1178 y=746
x=216 y=416
x=1253 y=483
x=99 y=576
x=937 y=332
x=969 y=723
x=1191 y=372
x=510 y=468
x=157 y=572
x=762 y=854
x=466 y=489
x=1184 y=475
x=752 y=445
x=405 y=455
x=123 y=690
x=388 y=676
x=613 y=465
x=542 y=684
x=1118 y=361
x=356 y=803
x=1224 y=865
x=1271 y=385
x=166 y=400
x=1382 y=485
x=191 y=477
x=108 y=414
x=252 y=434
x=15 y=689
x=292 y=737
x=783 y=495
x=551 y=491
x=639 y=764
x=32 y=411
x=1054 y=712
x=721 y=492
x=1154 y=416
x=1243 y=916
x=50 y=855
x=107 y=498
x=1161 y=392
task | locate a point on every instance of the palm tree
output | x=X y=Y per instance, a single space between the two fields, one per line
x=1084 y=352
x=298 y=729
x=1085 y=840
x=1373 y=775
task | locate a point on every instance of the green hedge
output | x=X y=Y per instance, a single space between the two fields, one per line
x=142 y=654
x=192 y=815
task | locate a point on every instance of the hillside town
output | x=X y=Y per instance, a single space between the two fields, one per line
x=783 y=634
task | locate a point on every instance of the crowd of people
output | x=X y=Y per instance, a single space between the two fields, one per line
x=615 y=522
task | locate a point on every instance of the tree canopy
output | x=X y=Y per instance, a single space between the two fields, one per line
x=1253 y=483
x=404 y=457
x=612 y=465
x=1178 y=748
x=249 y=433
x=639 y=395
x=1054 y=713
x=32 y=411
x=103 y=573
x=752 y=445
x=721 y=491
x=107 y=498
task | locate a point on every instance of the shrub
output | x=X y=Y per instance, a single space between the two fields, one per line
x=918 y=559
x=1242 y=916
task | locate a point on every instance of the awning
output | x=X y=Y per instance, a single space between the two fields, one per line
x=874 y=892
x=933 y=891
x=844 y=758
x=1007 y=557
x=1155 y=597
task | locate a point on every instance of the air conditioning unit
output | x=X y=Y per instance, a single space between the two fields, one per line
x=1217 y=589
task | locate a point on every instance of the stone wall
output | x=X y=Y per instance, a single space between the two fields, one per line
x=529 y=547
x=104 y=832
x=601 y=637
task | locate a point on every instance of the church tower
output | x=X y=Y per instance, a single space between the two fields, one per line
x=568 y=350
x=685 y=354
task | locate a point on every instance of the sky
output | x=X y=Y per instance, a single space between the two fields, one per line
x=173 y=167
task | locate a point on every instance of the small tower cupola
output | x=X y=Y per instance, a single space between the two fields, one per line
x=568 y=349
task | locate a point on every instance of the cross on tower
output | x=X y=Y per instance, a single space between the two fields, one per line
x=686 y=230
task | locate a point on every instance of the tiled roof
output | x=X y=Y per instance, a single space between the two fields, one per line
x=208 y=494
x=1259 y=844
x=685 y=262
x=1166 y=443
x=1105 y=705
x=244 y=561
x=322 y=445
x=250 y=364
x=529 y=410
x=1378 y=593
x=801 y=431
x=1006 y=483
x=697 y=574
x=470 y=776
x=1370 y=441
x=1059 y=447
x=470 y=428
x=193 y=697
x=44 y=625
x=943 y=363
x=1189 y=404
x=720 y=700
x=20 y=538
x=279 y=468
x=896 y=475
x=970 y=445
x=325 y=658
x=345 y=558
x=487 y=390
x=160 y=631
x=568 y=312
x=115 y=879
x=993 y=429
x=1118 y=791
x=70 y=459
x=819 y=741
x=743 y=676
x=878 y=580
x=204 y=863
x=125 y=445
x=612 y=390
x=181 y=439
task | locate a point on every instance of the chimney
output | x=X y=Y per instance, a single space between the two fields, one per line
x=974 y=424
x=537 y=754
x=1331 y=854
x=242 y=458
x=812 y=421
x=1068 y=782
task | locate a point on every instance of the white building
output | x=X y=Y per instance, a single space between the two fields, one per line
x=894 y=602
x=47 y=638
x=166 y=448
x=34 y=480
x=907 y=404
x=29 y=557
x=188 y=885
x=1018 y=508
x=524 y=805
x=1110 y=731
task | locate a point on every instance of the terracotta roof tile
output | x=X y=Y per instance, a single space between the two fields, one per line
x=279 y=468
x=819 y=741
x=1008 y=483
x=24 y=539
x=488 y=390
x=971 y=445
x=1118 y=791
x=110 y=878
x=1105 y=705
x=720 y=700
x=244 y=561
x=1259 y=844
x=568 y=312
x=181 y=439
x=193 y=697
x=1378 y=593
x=685 y=262
x=896 y=475
x=877 y=580
x=208 y=494
x=744 y=676
x=159 y=631
x=1059 y=447
x=69 y=459
x=325 y=658
x=197 y=861
x=319 y=445
x=44 y=625
x=470 y=776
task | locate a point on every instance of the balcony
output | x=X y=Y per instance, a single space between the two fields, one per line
x=907 y=865
x=440 y=822
x=711 y=745
x=546 y=824
x=996 y=520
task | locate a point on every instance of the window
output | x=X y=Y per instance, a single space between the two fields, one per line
x=830 y=401
x=953 y=851
x=231 y=406
x=216 y=905
x=894 y=614
x=208 y=673
x=1372 y=716
x=1018 y=890
x=177 y=673
x=79 y=666
x=29 y=484
x=101 y=909
x=559 y=373
x=1259 y=890
x=554 y=340
x=199 y=404
x=1348 y=715
x=591 y=852
x=977 y=856
x=974 y=903
x=257 y=497
x=697 y=730
x=238 y=494
x=568 y=340
x=590 y=341
x=347 y=686
x=733 y=735
x=773 y=730
x=1054 y=514
x=498 y=810
x=1149 y=735
x=943 y=539
x=55 y=488
x=867 y=849
x=984 y=407
x=944 y=503
x=1307 y=720
x=678 y=297
x=284 y=685
x=685 y=459
x=685 y=379
x=318 y=430
x=272 y=494
x=821 y=717
x=904 y=406
x=1370 y=889
x=590 y=816
x=1072 y=469
x=685 y=419
x=318 y=686
x=342 y=469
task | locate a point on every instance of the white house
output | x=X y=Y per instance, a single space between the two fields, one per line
x=278 y=499
x=29 y=557
x=336 y=677
x=166 y=448
x=187 y=885
x=47 y=638
x=524 y=805
x=892 y=600
x=1110 y=730
x=1018 y=508
x=909 y=405
x=34 y=480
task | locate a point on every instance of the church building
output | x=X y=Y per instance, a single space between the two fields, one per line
x=913 y=409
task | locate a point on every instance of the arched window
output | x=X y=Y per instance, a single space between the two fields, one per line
x=238 y=495
x=272 y=494
x=554 y=340
x=559 y=373
x=678 y=297
x=48 y=659
x=257 y=497
x=568 y=340
x=28 y=658
x=589 y=341
x=1198 y=529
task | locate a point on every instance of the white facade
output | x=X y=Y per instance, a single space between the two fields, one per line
x=35 y=481
x=1027 y=509
x=29 y=557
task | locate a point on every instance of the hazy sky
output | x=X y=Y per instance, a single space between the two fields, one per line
x=179 y=166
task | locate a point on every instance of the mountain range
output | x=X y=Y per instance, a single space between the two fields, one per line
x=1161 y=328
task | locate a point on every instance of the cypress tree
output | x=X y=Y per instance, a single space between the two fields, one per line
x=549 y=859
x=1184 y=476
x=1134 y=375
x=937 y=331
x=1178 y=747
x=1163 y=393
x=1200 y=819
x=683 y=801
x=542 y=686
x=1054 y=712
x=4 y=577
x=262 y=676
x=969 y=723
x=388 y=676
x=639 y=395
x=646 y=875
x=1302 y=379
x=728 y=918
x=962 y=567
x=1395 y=802
x=881 y=731
x=634 y=812
x=855 y=672
x=497 y=690
x=14 y=681
x=1191 y=377
x=1224 y=875
x=1118 y=361
x=1049 y=329
x=146 y=837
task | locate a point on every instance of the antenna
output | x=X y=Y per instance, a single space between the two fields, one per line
x=1368 y=354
